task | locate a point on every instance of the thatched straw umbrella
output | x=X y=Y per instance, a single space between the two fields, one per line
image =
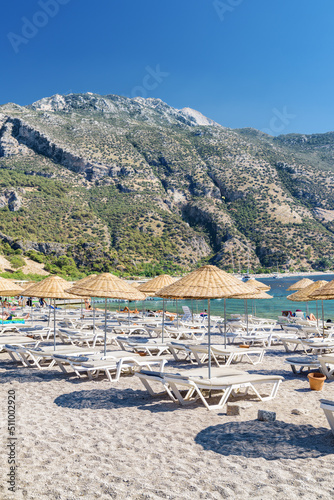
x=207 y=282
x=304 y=295
x=324 y=293
x=258 y=285
x=257 y=294
x=152 y=287
x=52 y=287
x=8 y=289
x=303 y=283
x=108 y=286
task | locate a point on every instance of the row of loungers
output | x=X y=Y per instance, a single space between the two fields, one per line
x=184 y=387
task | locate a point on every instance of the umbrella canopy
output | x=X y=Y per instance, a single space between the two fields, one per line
x=305 y=294
x=300 y=284
x=207 y=282
x=324 y=293
x=107 y=286
x=154 y=285
x=9 y=289
x=258 y=285
x=52 y=287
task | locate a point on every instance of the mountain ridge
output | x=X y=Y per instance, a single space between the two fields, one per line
x=186 y=189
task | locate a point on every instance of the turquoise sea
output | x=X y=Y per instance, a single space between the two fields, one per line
x=268 y=308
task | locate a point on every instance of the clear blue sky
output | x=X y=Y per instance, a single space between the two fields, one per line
x=243 y=63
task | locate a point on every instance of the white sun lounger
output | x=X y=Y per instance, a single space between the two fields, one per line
x=229 y=385
x=230 y=353
x=118 y=365
x=327 y=365
x=308 y=346
x=82 y=337
x=35 y=357
x=151 y=347
x=147 y=377
x=201 y=386
x=328 y=407
x=17 y=340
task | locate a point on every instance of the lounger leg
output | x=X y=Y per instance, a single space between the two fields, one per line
x=330 y=417
x=326 y=370
x=148 y=387
x=173 y=392
x=272 y=394
x=61 y=366
x=230 y=359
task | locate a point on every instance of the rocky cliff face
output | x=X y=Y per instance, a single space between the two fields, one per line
x=173 y=180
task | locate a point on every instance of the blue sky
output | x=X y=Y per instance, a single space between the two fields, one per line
x=244 y=63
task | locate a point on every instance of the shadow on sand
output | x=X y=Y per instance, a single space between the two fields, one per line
x=111 y=399
x=269 y=440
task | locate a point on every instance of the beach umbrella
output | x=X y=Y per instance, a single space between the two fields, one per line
x=303 y=283
x=152 y=287
x=256 y=294
x=108 y=286
x=258 y=285
x=305 y=294
x=8 y=289
x=52 y=287
x=207 y=282
x=324 y=293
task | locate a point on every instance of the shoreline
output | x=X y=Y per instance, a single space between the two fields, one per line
x=286 y=275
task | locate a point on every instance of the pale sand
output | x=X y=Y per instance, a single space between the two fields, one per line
x=82 y=439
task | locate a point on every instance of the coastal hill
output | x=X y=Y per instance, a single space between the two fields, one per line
x=92 y=182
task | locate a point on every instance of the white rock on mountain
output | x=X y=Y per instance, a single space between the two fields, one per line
x=198 y=118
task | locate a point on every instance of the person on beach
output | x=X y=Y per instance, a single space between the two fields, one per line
x=88 y=306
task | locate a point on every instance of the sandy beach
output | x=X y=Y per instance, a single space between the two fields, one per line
x=91 y=439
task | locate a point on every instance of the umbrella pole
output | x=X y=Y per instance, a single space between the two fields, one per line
x=192 y=311
x=323 y=321
x=49 y=312
x=246 y=315
x=105 y=326
x=81 y=308
x=93 y=315
x=209 y=339
x=177 y=316
x=54 y=324
x=128 y=312
x=144 y=308
x=225 y=340
x=163 y=319
x=316 y=305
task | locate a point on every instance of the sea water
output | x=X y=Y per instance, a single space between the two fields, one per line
x=264 y=308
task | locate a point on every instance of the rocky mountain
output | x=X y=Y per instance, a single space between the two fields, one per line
x=138 y=186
